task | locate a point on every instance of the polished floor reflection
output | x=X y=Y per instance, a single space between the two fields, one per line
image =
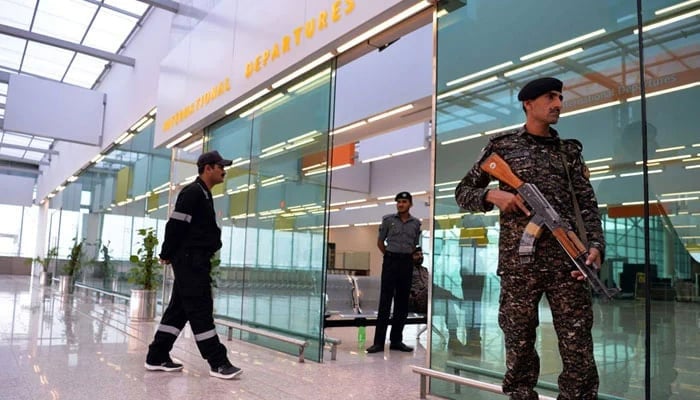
x=81 y=347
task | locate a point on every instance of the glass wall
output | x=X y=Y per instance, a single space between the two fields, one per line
x=123 y=191
x=486 y=52
x=272 y=210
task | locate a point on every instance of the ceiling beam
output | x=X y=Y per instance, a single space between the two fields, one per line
x=18 y=147
x=10 y=168
x=113 y=8
x=64 y=44
x=167 y=5
x=21 y=160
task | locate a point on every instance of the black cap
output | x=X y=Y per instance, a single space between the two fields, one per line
x=417 y=249
x=213 y=157
x=538 y=87
x=404 y=195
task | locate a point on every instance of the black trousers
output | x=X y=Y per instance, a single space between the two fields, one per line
x=191 y=300
x=397 y=275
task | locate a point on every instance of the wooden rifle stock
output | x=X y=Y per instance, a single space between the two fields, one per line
x=497 y=167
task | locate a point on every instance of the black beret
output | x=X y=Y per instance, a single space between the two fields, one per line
x=404 y=195
x=538 y=87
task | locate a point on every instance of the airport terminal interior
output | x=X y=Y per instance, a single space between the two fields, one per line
x=327 y=109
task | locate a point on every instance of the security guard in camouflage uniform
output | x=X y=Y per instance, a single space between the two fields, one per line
x=538 y=156
x=401 y=232
x=191 y=239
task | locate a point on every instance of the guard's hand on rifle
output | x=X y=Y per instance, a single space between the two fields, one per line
x=506 y=202
x=593 y=259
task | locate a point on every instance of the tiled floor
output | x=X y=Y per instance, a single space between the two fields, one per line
x=76 y=347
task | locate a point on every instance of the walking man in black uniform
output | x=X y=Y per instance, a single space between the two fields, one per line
x=401 y=231
x=538 y=156
x=191 y=239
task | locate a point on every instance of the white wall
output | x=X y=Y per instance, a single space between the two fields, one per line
x=362 y=238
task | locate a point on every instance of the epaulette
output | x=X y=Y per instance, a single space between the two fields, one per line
x=575 y=143
x=504 y=134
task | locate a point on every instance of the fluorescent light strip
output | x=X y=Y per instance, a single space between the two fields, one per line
x=505 y=128
x=97 y=158
x=272 y=179
x=72 y=178
x=669 y=21
x=651 y=171
x=482 y=72
x=276 y=151
x=563 y=44
x=408 y=151
x=665 y=91
x=680 y=193
x=274 y=146
x=678 y=199
x=692 y=166
x=462 y=139
x=658 y=160
x=600 y=178
x=597 y=160
x=696 y=145
x=445 y=196
x=390 y=113
x=670 y=149
x=309 y=81
x=247 y=101
x=592 y=108
x=598 y=168
x=446 y=189
x=685 y=226
x=447 y=183
x=141 y=121
x=386 y=197
x=272 y=182
x=144 y=125
x=262 y=105
x=363 y=206
x=420 y=193
x=338 y=226
x=121 y=137
x=178 y=140
x=605 y=171
x=126 y=138
x=194 y=145
x=369 y=160
x=467 y=87
x=383 y=26
x=355 y=201
x=675 y=7
x=304 y=136
x=691 y=159
x=301 y=71
x=543 y=62
x=153 y=111
x=348 y=127
x=299 y=143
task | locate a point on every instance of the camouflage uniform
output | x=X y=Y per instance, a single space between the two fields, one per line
x=539 y=160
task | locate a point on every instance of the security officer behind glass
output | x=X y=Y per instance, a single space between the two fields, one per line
x=191 y=238
x=401 y=232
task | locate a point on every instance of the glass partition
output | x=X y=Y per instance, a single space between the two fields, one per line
x=486 y=52
x=123 y=191
x=272 y=209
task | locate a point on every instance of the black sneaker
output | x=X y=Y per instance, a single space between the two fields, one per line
x=167 y=366
x=226 y=371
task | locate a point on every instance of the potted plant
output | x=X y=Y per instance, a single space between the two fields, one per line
x=46 y=276
x=72 y=268
x=105 y=266
x=145 y=274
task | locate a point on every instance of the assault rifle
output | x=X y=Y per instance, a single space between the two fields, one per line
x=545 y=215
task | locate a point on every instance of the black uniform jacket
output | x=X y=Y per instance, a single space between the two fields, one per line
x=193 y=223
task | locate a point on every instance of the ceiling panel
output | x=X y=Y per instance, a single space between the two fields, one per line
x=64 y=19
x=47 y=61
x=11 y=50
x=110 y=30
x=12 y=152
x=84 y=70
x=17 y=13
x=17 y=139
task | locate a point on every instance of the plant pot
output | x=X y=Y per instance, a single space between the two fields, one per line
x=65 y=284
x=142 y=305
x=45 y=278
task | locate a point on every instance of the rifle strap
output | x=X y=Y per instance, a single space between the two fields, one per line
x=579 y=219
